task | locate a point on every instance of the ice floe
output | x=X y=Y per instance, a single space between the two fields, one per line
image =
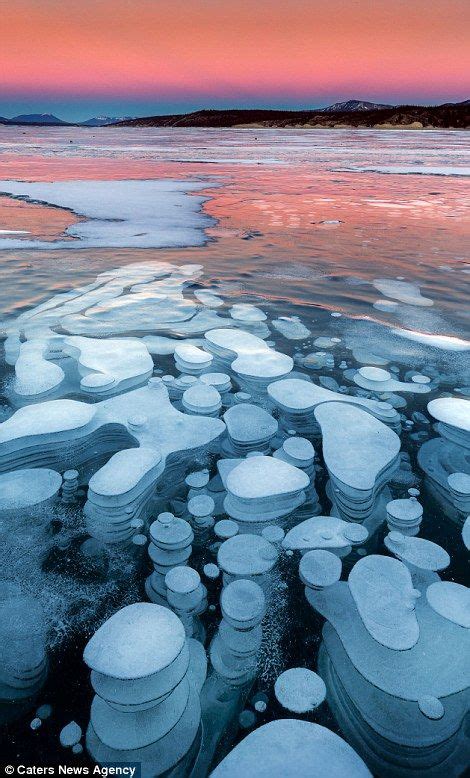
x=403 y=291
x=118 y=213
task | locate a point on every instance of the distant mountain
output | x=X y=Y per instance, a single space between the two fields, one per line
x=104 y=121
x=354 y=105
x=36 y=118
x=456 y=115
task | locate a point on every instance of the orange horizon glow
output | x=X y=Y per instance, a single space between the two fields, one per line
x=187 y=48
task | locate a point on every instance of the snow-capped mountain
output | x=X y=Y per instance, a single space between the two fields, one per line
x=355 y=105
x=103 y=121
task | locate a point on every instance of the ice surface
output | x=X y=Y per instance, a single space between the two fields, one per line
x=444 y=342
x=119 y=213
x=417 y=170
x=290 y=747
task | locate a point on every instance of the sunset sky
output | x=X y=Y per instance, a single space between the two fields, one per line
x=80 y=58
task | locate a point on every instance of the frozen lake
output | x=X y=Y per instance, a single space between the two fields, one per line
x=322 y=277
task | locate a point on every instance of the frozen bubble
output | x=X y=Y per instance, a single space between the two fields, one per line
x=319 y=569
x=211 y=571
x=384 y=595
x=247 y=719
x=149 y=638
x=70 y=734
x=451 y=600
x=299 y=690
x=273 y=534
x=403 y=291
x=226 y=528
x=139 y=540
x=431 y=707
x=466 y=532
x=44 y=711
x=291 y=747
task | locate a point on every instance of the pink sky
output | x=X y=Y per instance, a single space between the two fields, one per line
x=262 y=51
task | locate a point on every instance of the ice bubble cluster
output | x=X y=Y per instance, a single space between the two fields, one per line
x=160 y=442
x=146 y=708
x=170 y=546
x=361 y=455
x=392 y=658
x=23 y=659
x=445 y=459
x=253 y=363
x=263 y=489
x=297 y=399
